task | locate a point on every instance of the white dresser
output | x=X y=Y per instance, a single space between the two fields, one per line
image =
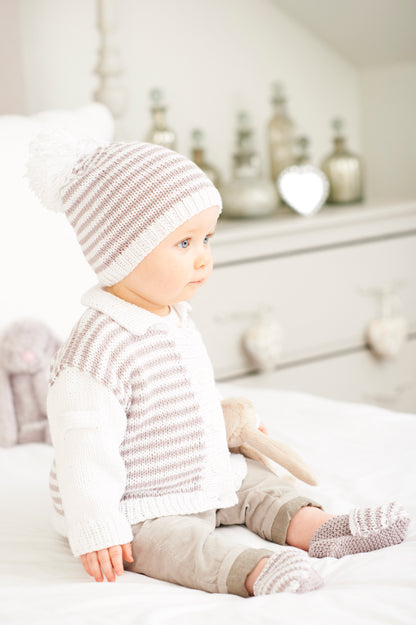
x=321 y=279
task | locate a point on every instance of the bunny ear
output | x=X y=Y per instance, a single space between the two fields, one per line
x=53 y=153
x=8 y=421
x=280 y=453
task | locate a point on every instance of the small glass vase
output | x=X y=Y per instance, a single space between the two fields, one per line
x=160 y=133
x=343 y=170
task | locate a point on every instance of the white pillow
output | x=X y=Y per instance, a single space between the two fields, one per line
x=42 y=270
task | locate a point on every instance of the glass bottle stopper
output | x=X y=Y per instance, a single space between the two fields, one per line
x=156 y=98
x=243 y=120
x=303 y=144
x=338 y=126
x=197 y=138
x=244 y=132
x=277 y=92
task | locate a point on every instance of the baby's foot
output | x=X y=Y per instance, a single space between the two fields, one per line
x=360 y=531
x=287 y=571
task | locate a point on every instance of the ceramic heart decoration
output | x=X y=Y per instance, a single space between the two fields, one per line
x=387 y=335
x=304 y=188
x=263 y=341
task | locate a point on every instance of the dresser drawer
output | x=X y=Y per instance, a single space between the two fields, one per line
x=323 y=299
x=355 y=377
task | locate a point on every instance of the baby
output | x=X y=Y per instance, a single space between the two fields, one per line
x=142 y=472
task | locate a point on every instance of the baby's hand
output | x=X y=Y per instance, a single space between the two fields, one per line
x=107 y=561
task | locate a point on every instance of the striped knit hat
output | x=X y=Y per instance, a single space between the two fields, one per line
x=122 y=199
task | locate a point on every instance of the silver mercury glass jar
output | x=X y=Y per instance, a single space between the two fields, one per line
x=198 y=157
x=343 y=170
x=160 y=133
x=248 y=193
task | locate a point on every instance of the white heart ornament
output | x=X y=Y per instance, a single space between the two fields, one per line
x=304 y=188
x=387 y=335
x=263 y=341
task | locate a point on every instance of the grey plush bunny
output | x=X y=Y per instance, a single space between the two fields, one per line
x=26 y=349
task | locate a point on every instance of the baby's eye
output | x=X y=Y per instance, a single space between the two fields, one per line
x=184 y=244
x=206 y=240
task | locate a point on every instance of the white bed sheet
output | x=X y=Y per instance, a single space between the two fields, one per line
x=361 y=454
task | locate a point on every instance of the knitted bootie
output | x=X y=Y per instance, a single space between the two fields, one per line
x=287 y=571
x=360 y=531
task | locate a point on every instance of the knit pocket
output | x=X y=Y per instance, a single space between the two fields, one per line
x=85 y=420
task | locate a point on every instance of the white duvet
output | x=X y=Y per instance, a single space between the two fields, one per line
x=361 y=455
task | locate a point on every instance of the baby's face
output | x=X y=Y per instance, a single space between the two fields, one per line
x=175 y=269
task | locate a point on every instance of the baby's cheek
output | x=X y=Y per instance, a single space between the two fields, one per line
x=168 y=281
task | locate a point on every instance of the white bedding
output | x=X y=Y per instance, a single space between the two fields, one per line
x=361 y=455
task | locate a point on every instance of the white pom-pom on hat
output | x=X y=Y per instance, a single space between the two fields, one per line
x=53 y=154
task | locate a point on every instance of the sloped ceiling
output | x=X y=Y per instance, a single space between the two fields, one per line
x=364 y=32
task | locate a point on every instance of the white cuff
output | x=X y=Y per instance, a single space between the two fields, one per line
x=93 y=535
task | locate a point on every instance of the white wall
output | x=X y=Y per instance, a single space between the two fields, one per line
x=212 y=58
x=11 y=75
x=388 y=100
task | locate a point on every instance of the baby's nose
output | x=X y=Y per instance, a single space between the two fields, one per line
x=203 y=259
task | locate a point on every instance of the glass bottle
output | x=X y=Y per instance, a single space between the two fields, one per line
x=343 y=170
x=248 y=194
x=198 y=157
x=160 y=133
x=281 y=134
x=246 y=160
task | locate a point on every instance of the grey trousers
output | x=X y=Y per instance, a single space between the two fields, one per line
x=187 y=550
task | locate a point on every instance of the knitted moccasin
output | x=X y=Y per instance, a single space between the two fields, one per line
x=122 y=199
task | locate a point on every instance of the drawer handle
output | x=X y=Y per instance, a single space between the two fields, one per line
x=263 y=341
x=386 y=336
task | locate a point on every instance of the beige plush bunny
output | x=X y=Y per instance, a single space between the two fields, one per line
x=243 y=436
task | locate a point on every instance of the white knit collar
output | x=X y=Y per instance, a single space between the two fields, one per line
x=131 y=317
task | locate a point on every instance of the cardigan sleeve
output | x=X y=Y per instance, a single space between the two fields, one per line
x=87 y=425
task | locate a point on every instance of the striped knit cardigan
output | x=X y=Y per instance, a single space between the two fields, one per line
x=158 y=379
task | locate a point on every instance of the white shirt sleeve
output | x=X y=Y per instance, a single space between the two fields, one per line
x=87 y=427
